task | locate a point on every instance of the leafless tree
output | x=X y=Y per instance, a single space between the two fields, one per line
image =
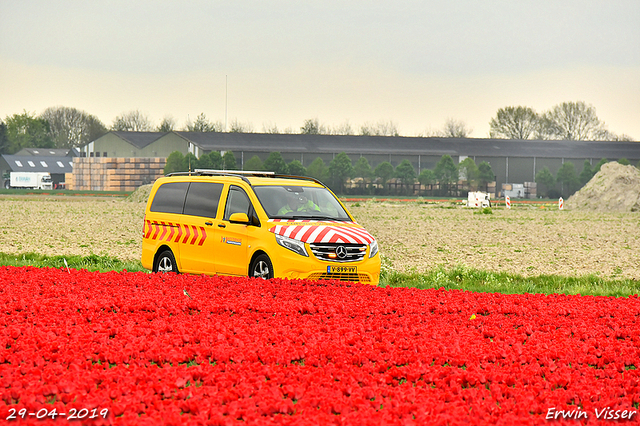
x=381 y=128
x=237 y=127
x=572 y=121
x=167 y=124
x=342 y=129
x=514 y=123
x=132 y=121
x=71 y=127
x=456 y=129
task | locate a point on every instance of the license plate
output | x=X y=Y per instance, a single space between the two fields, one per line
x=342 y=269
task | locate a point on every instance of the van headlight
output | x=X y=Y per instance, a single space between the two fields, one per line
x=373 y=248
x=293 y=245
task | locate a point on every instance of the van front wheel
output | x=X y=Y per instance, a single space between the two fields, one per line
x=166 y=262
x=261 y=267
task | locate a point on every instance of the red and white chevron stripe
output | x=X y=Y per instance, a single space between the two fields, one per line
x=165 y=231
x=347 y=232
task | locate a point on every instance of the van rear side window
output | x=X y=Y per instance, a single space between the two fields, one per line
x=170 y=197
x=202 y=199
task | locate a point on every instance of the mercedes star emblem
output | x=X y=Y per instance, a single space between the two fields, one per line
x=341 y=252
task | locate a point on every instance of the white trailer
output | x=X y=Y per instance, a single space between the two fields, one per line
x=30 y=180
x=479 y=199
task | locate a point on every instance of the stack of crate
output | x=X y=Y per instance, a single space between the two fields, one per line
x=113 y=174
x=531 y=190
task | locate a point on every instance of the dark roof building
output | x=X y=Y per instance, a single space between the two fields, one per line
x=49 y=152
x=55 y=165
x=513 y=161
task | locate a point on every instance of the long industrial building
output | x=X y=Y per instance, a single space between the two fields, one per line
x=513 y=161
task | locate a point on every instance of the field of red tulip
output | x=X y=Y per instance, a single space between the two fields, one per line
x=135 y=348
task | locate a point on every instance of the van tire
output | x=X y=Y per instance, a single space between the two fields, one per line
x=261 y=267
x=166 y=262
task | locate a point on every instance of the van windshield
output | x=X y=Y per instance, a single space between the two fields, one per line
x=300 y=202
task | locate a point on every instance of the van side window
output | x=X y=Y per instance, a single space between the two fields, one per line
x=237 y=202
x=170 y=197
x=202 y=199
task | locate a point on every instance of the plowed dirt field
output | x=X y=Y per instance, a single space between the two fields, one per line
x=528 y=240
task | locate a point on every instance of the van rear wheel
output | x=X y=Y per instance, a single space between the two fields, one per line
x=261 y=267
x=166 y=262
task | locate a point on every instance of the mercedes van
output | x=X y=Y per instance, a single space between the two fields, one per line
x=256 y=224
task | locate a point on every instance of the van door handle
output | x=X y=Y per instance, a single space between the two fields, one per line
x=222 y=225
x=208 y=223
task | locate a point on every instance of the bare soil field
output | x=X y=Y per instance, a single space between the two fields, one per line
x=527 y=240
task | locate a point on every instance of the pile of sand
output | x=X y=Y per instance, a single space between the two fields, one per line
x=614 y=188
x=140 y=195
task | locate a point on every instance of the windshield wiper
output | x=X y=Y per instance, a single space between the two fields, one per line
x=319 y=217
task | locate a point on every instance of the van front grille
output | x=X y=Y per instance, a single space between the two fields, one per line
x=363 y=278
x=339 y=252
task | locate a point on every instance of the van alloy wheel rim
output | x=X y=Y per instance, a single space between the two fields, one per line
x=261 y=270
x=165 y=265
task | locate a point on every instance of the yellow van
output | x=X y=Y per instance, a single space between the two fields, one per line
x=255 y=224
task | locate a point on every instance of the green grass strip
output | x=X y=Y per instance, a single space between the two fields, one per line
x=469 y=279
x=459 y=278
x=91 y=263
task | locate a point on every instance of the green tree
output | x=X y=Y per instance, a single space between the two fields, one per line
x=229 y=161
x=340 y=168
x=514 y=123
x=253 y=164
x=468 y=171
x=4 y=141
x=587 y=173
x=210 y=161
x=27 y=131
x=296 y=168
x=485 y=175
x=362 y=169
x=202 y=124
x=190 y=163
x=427 y=177
x=546 y=179
x=446 y=172
x=384 y=171
x=624 y=162
x=175 y=163
x=71 y=127
x=568 y=178
x=406 y=173
x=312 y=127
x=318 y=170
x=275 y=163
x=601 y=163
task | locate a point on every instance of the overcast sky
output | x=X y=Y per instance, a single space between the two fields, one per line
x=416 y=63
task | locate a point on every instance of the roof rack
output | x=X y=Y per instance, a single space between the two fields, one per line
x=233 y=172
x=242 y=174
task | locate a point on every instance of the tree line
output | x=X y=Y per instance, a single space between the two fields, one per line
x=567 y=181
x=344 y=176
x=65 y=127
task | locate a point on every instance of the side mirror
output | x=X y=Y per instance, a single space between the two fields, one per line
x=239 y=218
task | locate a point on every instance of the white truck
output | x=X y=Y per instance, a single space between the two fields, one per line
x=29 y=180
